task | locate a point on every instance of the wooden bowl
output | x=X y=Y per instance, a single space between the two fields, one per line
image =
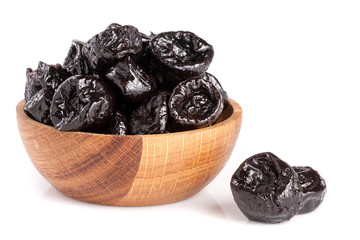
x=135 y=170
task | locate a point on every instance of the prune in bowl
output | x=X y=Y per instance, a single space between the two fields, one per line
x=130 y=170
x=81 y=103
x=196 y=103
x=180 y=55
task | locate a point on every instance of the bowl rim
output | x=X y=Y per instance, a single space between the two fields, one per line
x=237 y=113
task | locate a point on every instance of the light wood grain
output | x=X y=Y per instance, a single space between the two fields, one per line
x=137 y=170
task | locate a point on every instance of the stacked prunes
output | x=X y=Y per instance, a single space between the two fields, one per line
x=267 y=189
x=122 y=81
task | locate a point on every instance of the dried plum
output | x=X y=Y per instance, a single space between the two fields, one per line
x=145 y=58
x=33 y=84
x=132 y=80
x=111 y=45
x=135 y=74
x=81 y=103
x=117 y=124
x=195 y=102
x=313 y=188
x=38 y=106
x=45 y=76
x=183 y=51
x=113 y=25
x=213 y=80
x=151 y=116
x=266 y=189
x=75 y=62
x=183 y=55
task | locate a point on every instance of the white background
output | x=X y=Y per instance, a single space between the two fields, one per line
x=294 y=67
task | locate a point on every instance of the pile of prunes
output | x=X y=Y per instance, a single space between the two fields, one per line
x=267 y=189
x=122 y=81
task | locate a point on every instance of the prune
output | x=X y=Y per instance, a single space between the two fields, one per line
x=266 y=189
x=145 y=58
x=182 y=54
x=213 y=80
x=75 y=62
x=182 y=50
x=151 y=116
x=132 y=80
x=117 y=124
x=38 y=106
x=113 y=25
x=195 y=102
x=111 y=45
x=313 y=188
x=33 y=84
x=45 y=76
x=81 y=103
x=135 y=75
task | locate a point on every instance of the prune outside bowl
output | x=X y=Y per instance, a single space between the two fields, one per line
x=132 y=170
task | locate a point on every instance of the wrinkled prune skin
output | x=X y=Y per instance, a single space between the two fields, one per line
x=75 y=62
x=313 y=188
x=183 y=51
x=81 y=103
x=182 y=54
x=134 y=83
x=38 y=106
x=106 y=48
x=33 y=84
x=118 y=124
x=213 y=80
x=145 y=58
x=195 y=102
x=151 y=116
x=45 y=76
x=266 y=189
x=113 y=25
x=141 y=71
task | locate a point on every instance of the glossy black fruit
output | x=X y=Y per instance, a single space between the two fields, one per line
x=211 y=78
x=45 y=76
x=313 y=188
x=182 y=55
x=81 y=103
x=120 y=82
x=118 y=124
x=38 y=106
x=266 y=189
x=75 y=62
x=151 y=116
x=195 y=102
x=106 y=48
x=134 y=83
